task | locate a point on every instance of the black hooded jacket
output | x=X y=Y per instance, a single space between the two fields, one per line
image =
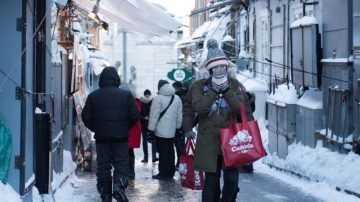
x=110 y=111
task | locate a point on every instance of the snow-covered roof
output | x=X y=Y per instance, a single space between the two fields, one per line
x=243 y=76
x=138 y=16
x=312 y=99
x=244 y=54
x=304 y=21
x=225 y=9
x=254 y=85
x=185 y=42
x=217 y=30
x=199 y=32
x=251 y=84
x=98 y=64
x=283 y=95
x=228 y=38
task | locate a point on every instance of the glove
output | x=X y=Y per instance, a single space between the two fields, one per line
x=150 y=136
x=220 y=85
x=190 y=134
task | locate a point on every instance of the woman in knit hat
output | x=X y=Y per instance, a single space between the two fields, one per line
x=216 y=101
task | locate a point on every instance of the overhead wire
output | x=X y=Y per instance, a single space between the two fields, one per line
x=279 y=65
x=7 y=74
x=270 y=62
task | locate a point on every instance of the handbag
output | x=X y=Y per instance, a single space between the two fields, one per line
x=241 y=143
x=189 y=177
x=151 y=136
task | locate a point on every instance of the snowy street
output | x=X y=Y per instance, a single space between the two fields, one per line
x=264 y=184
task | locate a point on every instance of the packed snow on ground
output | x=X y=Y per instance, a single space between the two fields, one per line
x=58 y=179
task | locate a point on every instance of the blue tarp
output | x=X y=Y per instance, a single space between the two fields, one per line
x=5 y=149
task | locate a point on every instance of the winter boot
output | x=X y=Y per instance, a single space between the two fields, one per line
x=120 y=196
x=106 y=198
x=105 y=191
x=120 y=185
x=248 y=168
x=234 y=197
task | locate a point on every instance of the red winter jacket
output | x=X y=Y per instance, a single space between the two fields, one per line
x=135 y=131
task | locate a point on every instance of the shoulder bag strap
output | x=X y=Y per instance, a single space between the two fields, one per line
x=164 y=111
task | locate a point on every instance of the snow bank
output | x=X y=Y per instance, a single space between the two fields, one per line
x=7 y=193
x=254 y=85
x=284 y=95
x=321 y=164
x=312 y=99
x=68 y=168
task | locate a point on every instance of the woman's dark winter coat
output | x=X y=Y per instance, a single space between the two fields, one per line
x=110 y=111
x=208 y=146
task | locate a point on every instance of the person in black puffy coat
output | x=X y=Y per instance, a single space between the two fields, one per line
x=110 y=112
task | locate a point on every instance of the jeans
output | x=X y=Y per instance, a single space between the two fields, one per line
x=212 y=191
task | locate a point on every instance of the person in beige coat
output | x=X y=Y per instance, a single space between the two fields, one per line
x=216 y=101
x=164 y=128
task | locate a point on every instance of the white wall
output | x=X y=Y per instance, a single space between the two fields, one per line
x=152 y=58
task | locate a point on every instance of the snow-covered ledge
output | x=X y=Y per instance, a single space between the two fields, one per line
x=350 y=59
x=305 y=21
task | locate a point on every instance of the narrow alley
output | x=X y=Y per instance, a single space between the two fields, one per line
x=262 y=185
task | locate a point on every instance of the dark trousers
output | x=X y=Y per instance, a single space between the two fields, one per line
x=112 y=155
x=131 y=164
x=165 y=148
x=145 y=144
x=179 y=145
x=212 y=191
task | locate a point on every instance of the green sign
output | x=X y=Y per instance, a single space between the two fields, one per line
x=179 y=75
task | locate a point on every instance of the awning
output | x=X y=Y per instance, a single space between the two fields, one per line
x=199 y=32
x=217 y=31
x=185 y=42
x=134 y=15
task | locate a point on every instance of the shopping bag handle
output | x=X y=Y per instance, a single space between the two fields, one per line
x=243 y=112
x=189 y=145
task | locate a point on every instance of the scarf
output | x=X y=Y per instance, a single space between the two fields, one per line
x=219 y=106
x=145 y=99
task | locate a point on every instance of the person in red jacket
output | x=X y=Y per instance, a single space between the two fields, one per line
x=134 y=135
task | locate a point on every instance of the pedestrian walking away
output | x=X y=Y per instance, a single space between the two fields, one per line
x=134 y=134
x=146 y=101
x=165 y=118
x=179 y=135
x=110 y=112
x=216 y=101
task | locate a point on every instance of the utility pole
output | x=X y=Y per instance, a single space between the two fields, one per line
x=124 y=57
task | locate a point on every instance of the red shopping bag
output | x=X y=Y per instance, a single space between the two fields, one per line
x=241 y=143
x=189 y=177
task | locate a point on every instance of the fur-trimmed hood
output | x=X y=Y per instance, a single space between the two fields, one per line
x=146 y=99
x=204 y=73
